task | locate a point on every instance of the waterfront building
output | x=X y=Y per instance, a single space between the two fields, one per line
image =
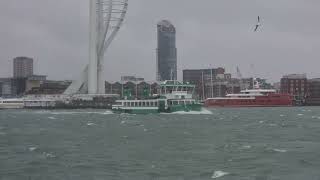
x=277 y=86
x=212 y=82
x=296 y=85
x=131 y=78
x=247 y=83
x=46 y=87
x=313 y=96
x=22 y=67
x=114 y=88
x=34 y=81
x=133 y=90
x=166 y=52
x=7 y=88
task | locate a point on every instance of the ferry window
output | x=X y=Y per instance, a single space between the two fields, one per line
x=156 y=104
x=143 y=103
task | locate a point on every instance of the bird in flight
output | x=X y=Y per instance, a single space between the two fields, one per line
x=257 y=25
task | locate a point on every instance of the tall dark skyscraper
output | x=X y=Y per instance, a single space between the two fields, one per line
x=166 y=52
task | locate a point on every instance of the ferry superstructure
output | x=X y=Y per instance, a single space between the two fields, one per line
x=174 y=96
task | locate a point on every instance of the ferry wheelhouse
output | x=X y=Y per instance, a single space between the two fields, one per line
x=173 y=96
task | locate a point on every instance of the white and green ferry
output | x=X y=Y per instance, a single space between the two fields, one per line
x=173 y=97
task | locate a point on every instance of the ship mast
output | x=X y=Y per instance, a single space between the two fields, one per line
x=211 y=83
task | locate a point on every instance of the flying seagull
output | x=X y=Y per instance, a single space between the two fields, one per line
x=258 y=24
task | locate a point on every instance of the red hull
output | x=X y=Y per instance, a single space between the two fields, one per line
x=270 y=100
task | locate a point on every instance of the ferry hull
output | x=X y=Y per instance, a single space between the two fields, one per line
x=274 y=100
x=184 y=108
x=11 y=106
x=136 y=110
x=171 y=109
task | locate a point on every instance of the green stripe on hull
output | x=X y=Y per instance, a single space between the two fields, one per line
x=136 y=111
x=185 y=108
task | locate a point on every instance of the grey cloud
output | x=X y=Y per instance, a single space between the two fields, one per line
x=209 y=33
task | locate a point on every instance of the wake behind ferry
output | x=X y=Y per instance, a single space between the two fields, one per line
x=252 y=98
x=174 y=96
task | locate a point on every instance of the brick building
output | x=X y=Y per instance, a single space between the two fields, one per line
x=211 y=82
x=296 y=85
x=313 y=96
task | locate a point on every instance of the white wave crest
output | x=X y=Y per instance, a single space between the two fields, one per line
x=280 y=150
x=217 y=174
x=32 y=148
x=203 y=112
x=246 y=147
x=49 y=155
x=91 y=124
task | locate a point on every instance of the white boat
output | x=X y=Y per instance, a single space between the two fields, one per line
x=11 y=103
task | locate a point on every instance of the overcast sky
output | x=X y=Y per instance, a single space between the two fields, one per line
x=216 y=33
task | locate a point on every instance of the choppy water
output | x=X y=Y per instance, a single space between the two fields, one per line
x=235 y=144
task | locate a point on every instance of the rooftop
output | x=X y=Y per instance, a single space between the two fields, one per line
x=295 y=76
x=165 y=23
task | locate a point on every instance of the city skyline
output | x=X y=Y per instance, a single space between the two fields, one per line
x=216 y=33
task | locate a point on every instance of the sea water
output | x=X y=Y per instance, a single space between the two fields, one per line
x=235 y=144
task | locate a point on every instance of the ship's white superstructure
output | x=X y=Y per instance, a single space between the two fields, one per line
x=15 y=103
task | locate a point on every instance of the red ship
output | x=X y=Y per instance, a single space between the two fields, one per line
x=252 y=98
